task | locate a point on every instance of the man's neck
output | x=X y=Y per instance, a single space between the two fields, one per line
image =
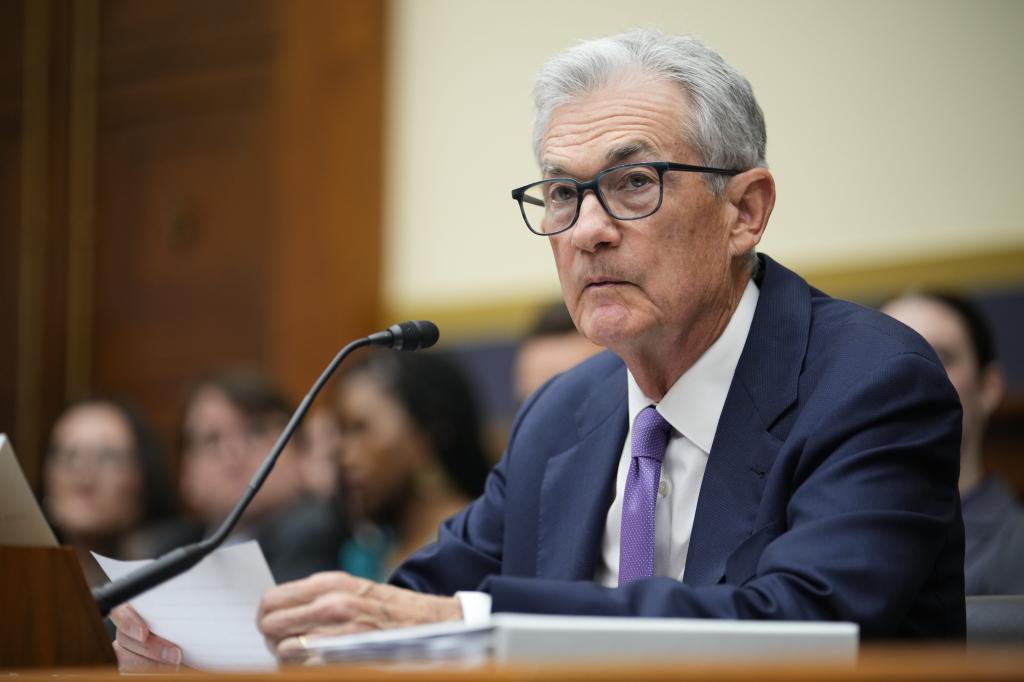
x=657 y=363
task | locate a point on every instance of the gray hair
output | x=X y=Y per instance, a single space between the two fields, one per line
x=726 y=126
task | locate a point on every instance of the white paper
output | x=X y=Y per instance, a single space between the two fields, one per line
x=210 y=610
x=450 y=641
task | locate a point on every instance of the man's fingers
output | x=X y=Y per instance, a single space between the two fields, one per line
x=127 y=620
x=335 y=608
x=293 y=648
x=337 y=604
x=130 y=662
x=153 y=648
x=139 y=650
x=308 y=589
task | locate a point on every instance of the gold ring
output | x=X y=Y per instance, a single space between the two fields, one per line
x=302 y=641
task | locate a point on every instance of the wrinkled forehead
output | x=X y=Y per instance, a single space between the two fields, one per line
x=620 y=153
x=617 y=123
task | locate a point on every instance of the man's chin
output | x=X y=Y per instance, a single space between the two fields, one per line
x=608 y=327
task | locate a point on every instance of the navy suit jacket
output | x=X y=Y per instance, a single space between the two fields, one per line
x=830 y=491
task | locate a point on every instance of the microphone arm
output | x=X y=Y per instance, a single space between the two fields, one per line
x=408 y=336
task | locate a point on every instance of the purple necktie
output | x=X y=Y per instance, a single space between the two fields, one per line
x=636 y=539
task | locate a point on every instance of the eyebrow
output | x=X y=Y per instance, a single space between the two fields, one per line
x=551 y=170
x=622 y=152
x=614 y=156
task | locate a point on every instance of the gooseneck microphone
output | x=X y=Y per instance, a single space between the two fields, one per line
x=411 y=335
x=405 y=336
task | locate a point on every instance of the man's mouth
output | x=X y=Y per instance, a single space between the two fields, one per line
x=604 y=283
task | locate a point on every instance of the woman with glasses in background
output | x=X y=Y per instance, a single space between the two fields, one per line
x=105 y=483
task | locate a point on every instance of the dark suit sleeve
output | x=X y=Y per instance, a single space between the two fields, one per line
x=872 y=504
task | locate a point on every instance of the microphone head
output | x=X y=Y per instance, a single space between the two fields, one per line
x=413 y=335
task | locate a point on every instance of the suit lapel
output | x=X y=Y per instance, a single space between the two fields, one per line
x=579 y=483
x=765 y=384
x=730 y=493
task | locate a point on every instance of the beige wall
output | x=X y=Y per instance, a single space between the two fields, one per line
x=894 y=131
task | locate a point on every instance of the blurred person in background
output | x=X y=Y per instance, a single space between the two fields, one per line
x=993 y=519
x=551 y=346
x=231 y=422
x=105 y=483
x=321 y=444
x=411 y=455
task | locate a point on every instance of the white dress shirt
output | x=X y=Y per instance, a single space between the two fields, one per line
x=693 y=406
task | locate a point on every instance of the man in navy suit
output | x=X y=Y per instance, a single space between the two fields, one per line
x=749 y=447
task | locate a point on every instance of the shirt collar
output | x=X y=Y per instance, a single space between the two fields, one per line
x=693 y=404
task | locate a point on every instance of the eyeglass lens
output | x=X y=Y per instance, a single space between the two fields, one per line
x=627 y=193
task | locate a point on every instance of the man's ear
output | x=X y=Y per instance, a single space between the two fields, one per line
x=751 y=195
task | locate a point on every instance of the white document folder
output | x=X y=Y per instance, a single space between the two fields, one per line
x=524 y=639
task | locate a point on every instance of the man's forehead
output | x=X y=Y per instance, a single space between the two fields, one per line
x=617 y=123
x=620 y=153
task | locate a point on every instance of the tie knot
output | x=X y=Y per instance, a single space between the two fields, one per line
x=650 y=434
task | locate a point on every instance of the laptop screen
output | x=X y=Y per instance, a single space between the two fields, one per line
x=21 y=520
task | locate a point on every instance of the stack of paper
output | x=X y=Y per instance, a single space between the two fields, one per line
x=522 y=638
x=449 y=642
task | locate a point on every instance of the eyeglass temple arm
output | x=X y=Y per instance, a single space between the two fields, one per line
x=668 y=165
x=521 y=195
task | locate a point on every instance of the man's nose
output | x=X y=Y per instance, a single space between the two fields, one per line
x=594 y=229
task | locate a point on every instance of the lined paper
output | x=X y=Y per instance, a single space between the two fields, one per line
x=210 y=610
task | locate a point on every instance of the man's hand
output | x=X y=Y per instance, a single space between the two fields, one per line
x=337 y=603
x=138 y=649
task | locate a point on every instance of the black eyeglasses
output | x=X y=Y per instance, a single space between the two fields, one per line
x=627 y=192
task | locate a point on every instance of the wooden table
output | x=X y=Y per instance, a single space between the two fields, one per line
x=875 y=663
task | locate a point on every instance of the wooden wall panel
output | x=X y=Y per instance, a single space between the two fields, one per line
x=239 y=140
x=329 y=125
x=39 y=322
x=12 y=20
x=206 y=196
x=181 y=256
x=182 y=190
